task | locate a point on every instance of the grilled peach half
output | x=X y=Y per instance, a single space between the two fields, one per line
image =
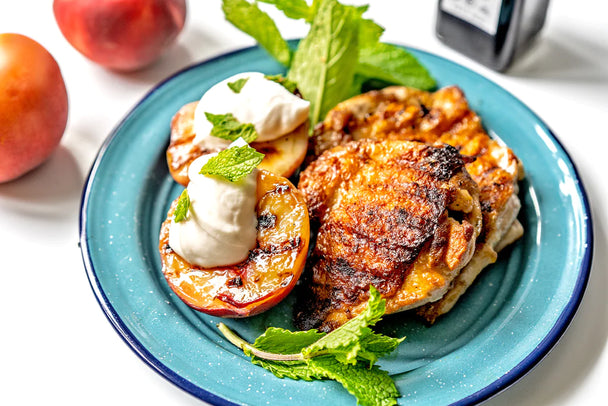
x=266 y=276
x=281 y=156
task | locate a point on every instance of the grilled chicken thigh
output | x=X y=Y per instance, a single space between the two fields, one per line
x=403 y=216
x=442 y=117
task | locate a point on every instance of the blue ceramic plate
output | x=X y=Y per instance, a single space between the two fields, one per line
x=502 y=327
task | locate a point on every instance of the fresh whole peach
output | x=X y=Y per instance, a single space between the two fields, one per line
x=124 y=35
x=33 y=105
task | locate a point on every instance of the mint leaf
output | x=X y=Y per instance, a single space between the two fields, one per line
x=289 y=369
x=283 y=341
x=182 y=207
x=371 y=386
x=237 y=85
x=378 y=345
x=357 y=85
x=227 y=127
x=393 y=64
x=251 y=20
x=324 y=63
x=369 y=32
x=345 y=342
x=233 y=163
x=283 y=81
x=294 y=9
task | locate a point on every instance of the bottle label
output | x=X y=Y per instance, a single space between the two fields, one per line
x=481 y=13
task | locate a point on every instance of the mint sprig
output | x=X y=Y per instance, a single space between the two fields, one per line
x=341 y=52
x=233 y=164
x=237 y=85
x=182 y=207
x=227 y=127
x=346 y=355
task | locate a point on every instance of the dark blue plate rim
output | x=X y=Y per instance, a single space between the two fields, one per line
x=497 y=386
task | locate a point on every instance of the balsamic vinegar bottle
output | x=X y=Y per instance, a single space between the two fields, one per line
x=492 y=32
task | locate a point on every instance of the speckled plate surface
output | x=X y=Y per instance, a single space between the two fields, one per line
x=502 y=327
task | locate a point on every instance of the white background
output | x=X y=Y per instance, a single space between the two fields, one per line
x=57 y=346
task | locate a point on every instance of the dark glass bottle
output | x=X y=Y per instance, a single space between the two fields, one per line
x=492 y=32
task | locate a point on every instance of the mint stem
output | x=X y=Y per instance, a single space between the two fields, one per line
x=245 y=346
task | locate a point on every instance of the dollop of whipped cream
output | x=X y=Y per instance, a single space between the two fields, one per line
x=220 y=228
x=271 y=108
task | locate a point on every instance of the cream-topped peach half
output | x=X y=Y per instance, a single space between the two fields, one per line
x=242 y=245
x=279 y=116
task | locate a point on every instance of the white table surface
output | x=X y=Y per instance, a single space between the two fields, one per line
x=57 y=345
